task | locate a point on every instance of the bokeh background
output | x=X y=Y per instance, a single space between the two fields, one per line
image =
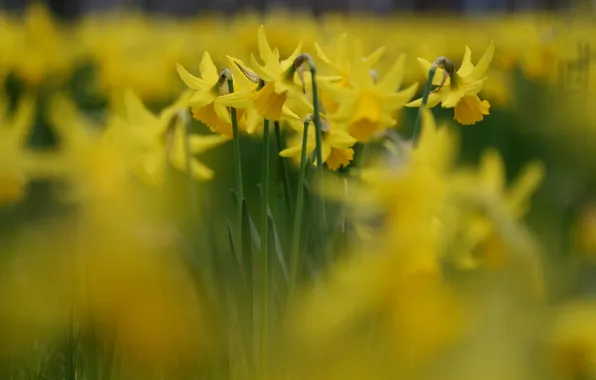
x=70 y=9
x=147 y=285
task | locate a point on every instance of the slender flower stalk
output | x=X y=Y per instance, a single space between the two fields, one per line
x=264 y=249
x=300 y=60
x=294 y=259
x=227 y=75
x=284 y=168
x=448 y=66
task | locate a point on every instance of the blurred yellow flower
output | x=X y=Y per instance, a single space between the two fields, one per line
x=19 y=164
x=160 y=139
x=368 y=107
x=337 y=143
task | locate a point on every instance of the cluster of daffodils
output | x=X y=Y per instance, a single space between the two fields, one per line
x=356 y=105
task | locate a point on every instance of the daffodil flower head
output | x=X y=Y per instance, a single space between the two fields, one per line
x=244 y=98
x=368 y=106
x=278 y=76
x=459 y=89
x=341 y=65
x=207 y=88
x=337 y=144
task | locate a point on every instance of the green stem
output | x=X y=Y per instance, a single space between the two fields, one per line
x=319 y=136
x=264 y=247
x=284 y=168
x=295 y=254
x=237 y=164
x=425 y=94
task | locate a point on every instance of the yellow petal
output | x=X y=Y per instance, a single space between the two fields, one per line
x=261 y=71
x=253 y=120
x=492 y=171
x=452 y=98
x=395 y=101
x=200 y=171
x=483 y=64
x=201 y=98
x=433 y=99
x=394 y=77
x=223 y=113
x=340 y=139
x=466 y=64
x=190 y=80
x=208 y=69
x=525 y=185
x=321 y=55
x=264 y=49
x=136 y=110
x=201 y=143
x=286 y=63
x=342 y=51
x=23 y=118
x=239 y=99
x=375 y=56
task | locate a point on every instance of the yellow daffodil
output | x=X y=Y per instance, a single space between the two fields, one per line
x=367 y=106
x=207 y=89
x=249 y=117
x=279 y=80
x=481 y=228
x=337 y=144
x=159 y=139
x=460 y=88
x=91 y=161
x=341 y=66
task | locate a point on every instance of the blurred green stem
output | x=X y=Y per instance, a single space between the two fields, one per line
x=294 y=258
x=319 y=133
x=237 y=162
x=284 y=168
x=264 y=249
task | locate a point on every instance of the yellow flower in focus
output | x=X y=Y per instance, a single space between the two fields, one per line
x=249 y=117
x=278 y=77
x=460 y=88
x=207 y=89
x=368 y=107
